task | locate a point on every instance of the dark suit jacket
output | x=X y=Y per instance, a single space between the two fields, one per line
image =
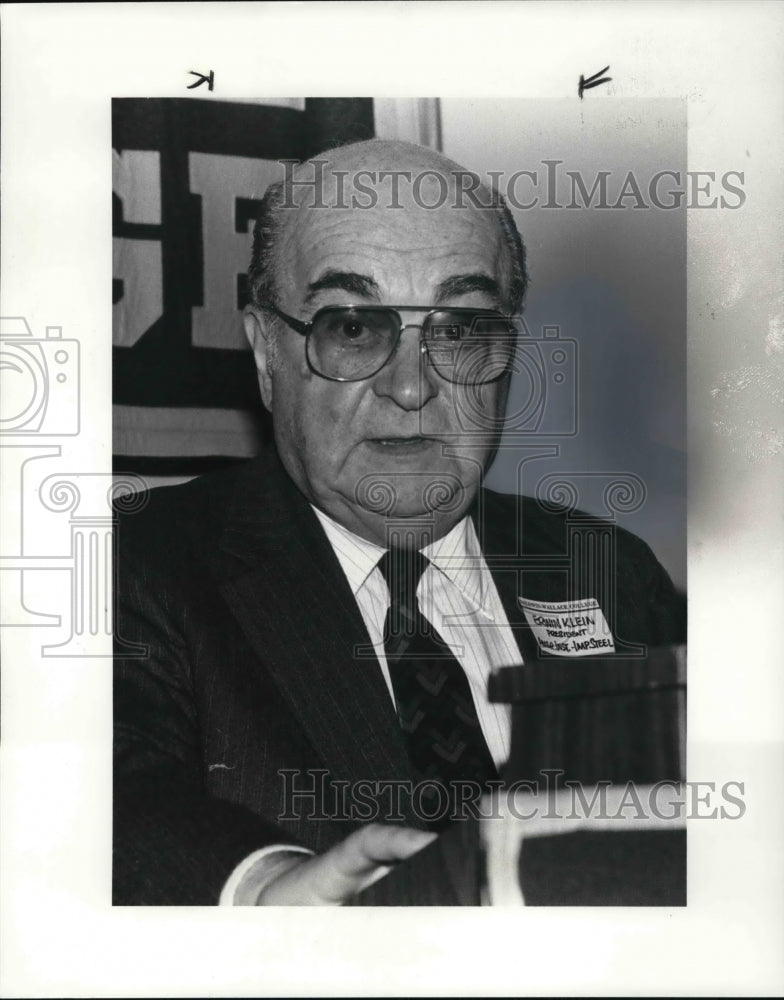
x=236 y=636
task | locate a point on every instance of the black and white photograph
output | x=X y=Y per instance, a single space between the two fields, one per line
x=400 y=531
x=284 y=676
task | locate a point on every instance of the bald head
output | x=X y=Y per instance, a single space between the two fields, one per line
x=376 y=181
x=371 y=152
x=387 y=154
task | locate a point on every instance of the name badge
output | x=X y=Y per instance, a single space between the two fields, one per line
x=568 y=628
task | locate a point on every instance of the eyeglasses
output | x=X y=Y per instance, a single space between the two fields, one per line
x=351 y=343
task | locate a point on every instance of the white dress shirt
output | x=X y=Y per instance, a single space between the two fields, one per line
x=458 y=596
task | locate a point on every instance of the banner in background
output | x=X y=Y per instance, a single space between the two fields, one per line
x=188 y=176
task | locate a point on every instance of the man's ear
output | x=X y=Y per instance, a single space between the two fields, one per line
x=259 y=334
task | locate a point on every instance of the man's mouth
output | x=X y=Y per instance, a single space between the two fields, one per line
x=413 y=442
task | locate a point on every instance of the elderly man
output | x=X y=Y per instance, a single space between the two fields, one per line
x=313 y=631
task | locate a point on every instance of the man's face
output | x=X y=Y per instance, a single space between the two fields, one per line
x=405 y=444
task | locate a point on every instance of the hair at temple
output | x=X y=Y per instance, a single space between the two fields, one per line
x=261 y=273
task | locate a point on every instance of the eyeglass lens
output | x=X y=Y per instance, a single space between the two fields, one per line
x=464 y=347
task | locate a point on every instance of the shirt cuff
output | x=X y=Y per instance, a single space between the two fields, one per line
x=273 y=852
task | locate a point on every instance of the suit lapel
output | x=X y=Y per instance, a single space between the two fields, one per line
x=284 y=585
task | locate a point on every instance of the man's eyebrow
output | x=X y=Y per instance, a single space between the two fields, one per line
x=345 y=281
x=462 y=284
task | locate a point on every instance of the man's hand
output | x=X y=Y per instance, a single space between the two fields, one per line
x=351 y=866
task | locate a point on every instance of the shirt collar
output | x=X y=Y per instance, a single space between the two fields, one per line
x=458 y=556
x=357 y=556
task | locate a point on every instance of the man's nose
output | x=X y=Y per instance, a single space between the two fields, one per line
x=407 y=378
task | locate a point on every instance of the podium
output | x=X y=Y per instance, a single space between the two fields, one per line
x=589 y=813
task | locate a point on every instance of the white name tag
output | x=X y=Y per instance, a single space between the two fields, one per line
x=569 y=628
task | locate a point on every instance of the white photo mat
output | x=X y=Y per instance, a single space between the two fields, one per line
x=62 y=64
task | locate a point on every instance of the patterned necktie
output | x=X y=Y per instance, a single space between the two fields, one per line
x=435 y=706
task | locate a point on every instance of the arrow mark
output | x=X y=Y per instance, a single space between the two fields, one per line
x=592 y=81
x=209 y=79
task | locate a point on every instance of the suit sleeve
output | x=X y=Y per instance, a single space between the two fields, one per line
x=173 y=844
x=664 y=606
